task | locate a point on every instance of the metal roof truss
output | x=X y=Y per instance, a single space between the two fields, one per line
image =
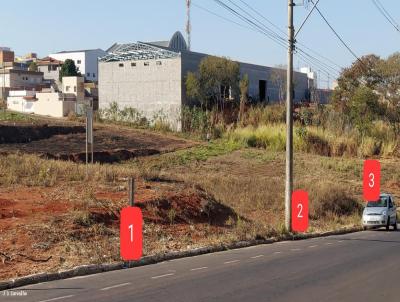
x=138 y=51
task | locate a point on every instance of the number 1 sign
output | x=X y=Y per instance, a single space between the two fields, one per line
x=299 y=211
x=371 y=179
x=131 y=233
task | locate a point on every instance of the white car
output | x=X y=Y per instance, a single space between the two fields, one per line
x=381 y=212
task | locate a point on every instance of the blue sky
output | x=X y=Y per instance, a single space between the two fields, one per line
x=47 y=26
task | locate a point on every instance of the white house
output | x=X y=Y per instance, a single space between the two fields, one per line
x=49 y=102
x=85 y=60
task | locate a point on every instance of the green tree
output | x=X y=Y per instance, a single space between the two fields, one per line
x=215 y=83
x=389 y=89
x=68 y=69
x=364 y=108
x=33 y=66
x=363 y=72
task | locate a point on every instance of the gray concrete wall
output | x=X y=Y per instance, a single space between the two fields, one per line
x=153 y=90
x=52 y=75
x=191 y=62
x=25 y=79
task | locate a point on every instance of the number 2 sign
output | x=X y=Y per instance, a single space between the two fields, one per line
x=299 y=211
x=371 y=180
x=131 y=233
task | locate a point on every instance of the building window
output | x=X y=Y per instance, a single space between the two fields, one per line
x=121 y=65
x=78 y=62
x=94 y=75
x=133 y=64
x=66 y=88
x=88 y=74
x=159 y=63
x=146 y=63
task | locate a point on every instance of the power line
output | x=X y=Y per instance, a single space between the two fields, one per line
x=305 y=20
x=311 y=60
x=284 y=33
x=386 y=14
x=278 y=39
x=268 y=33
x=219 y=16
x=337 y=35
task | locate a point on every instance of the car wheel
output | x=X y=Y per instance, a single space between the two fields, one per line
x=388 y=224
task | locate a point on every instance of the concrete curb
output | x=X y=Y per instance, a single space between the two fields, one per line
x=90 y=269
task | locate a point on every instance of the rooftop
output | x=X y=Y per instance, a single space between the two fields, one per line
x=137 y=51
x=146 y=50
x=73 y=51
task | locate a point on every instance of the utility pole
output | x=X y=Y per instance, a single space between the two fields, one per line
x=289 y=121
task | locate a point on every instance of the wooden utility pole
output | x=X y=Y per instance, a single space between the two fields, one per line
x=289 y=121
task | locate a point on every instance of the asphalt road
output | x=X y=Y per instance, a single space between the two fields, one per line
x=362 y=266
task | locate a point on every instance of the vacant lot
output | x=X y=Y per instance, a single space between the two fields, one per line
x=53 y=218
x=66 y=141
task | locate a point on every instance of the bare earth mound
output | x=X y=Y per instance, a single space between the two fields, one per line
x=67 y=142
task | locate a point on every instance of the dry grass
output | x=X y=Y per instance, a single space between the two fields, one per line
x=249 y=181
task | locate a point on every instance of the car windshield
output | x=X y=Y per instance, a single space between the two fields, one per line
x=381 y=203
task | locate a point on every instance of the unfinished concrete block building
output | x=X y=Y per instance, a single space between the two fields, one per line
x=150 y=77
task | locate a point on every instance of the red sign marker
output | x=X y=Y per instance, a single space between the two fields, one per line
x=131 y=233
x=371 y=180
x=299 y=211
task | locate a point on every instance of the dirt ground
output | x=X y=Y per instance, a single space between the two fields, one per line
x=50 y=229
x=67 y=141
x=190 y=197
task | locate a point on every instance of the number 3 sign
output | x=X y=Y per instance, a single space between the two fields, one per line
x=371 y=180
x=299 y=211
x=131 y=233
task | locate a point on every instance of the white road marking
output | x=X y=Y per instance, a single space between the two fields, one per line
x=232 y=261
x=277 y=252
x=162 y=276
x=294 y=250
x=258 y=256
x=329 y=243
x=340 y=241
x=115 y=286
x=80 y=277
x=312 y=246
x=59 y=298
x=199 y=268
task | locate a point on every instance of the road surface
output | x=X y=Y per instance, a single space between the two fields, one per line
x=363 y=266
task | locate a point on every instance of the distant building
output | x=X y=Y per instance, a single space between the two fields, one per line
x=50 y=68
x=28 y=58
x=49 y=102
x=19 y=79
x=150 y=77
x=86 y=61
x=6 y=55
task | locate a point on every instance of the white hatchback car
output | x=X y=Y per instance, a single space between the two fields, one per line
x=381 y=212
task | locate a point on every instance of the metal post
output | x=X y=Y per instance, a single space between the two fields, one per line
x=86 y=142
x=289 y=121
x=131 y=186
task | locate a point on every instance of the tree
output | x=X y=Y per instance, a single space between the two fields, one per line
x=389 y=89
x=363 y=72
x=33 y=66
x=244 y=90
x=215 y=83
x=278 y=79
x=364 y=108
x=68 y=69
